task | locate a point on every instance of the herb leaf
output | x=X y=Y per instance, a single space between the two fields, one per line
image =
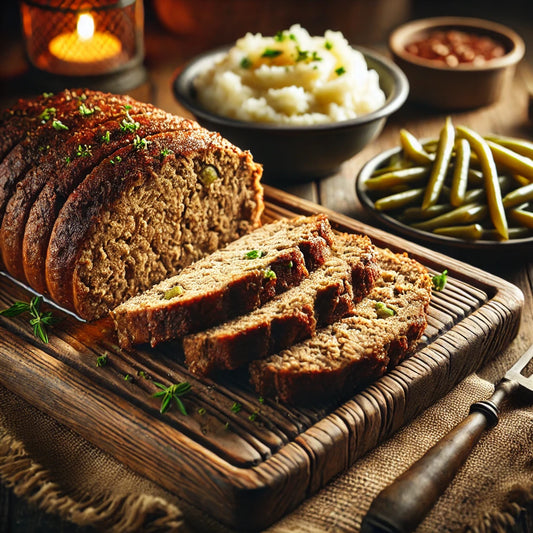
x=39 y=320
x=16 y=309
x=439 y=280
x=271 y=53
x=172 y=392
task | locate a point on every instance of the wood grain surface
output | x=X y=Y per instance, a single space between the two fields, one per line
x=249 y=468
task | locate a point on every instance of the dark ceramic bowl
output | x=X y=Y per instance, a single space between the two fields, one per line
x=367 y=198
x=297 y=153
x=467 y=85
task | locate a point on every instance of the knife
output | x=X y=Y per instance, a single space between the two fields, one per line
x=401 y=506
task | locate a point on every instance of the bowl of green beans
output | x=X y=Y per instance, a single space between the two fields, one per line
x=462 y=189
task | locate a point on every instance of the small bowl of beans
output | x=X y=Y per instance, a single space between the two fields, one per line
x=455 y=63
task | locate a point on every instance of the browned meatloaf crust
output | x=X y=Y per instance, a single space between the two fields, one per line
x=23 y=116
x=355 y=350
x=326 y=296
x=72 y=112
x=68 y=163
x=234 y=280
x=146 y=211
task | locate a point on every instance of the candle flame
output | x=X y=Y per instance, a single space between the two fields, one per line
x=85 y=26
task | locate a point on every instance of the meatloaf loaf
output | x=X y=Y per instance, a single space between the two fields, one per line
x=234 y=280
x=385 y=327
x=130 y=195
x=327 y=295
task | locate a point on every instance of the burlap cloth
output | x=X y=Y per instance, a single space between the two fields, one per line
x=60 y=472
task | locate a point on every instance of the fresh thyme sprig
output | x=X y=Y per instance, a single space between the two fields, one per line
x=39 y=320
x=172 y=392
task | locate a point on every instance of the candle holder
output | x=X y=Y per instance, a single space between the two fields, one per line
x=97 y=44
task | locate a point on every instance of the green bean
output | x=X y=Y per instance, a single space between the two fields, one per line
x=523 y=217
x=513 y=161
x=460 y=172
x=492 y=186
x=413 y=214
x=397 y=177
x=399 y=200
x=520 y=179
x=472 y=232
x=518 y=196
x=460 y=215
x=519 y=146
x=475 y=177
x=413 y=149
x=514 y=233
x=440 y=165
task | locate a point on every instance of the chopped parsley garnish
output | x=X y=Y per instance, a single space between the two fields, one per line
x=140 y=144
x=127 y=107
x=47 y=114
x=86 y=111
x=302 y=55
x=328 y=45
x=48 y=95
x=254 y=254
x=116 y=159
x=58 y=125
x=271 y=53
x=128 y=124
x=142 y=374
x=383 y=311
x=102 y=360
x=106 y=137
x=253 y=416
x=236 y=407
x=68 y=159
x=172 y=392
x=279 y=37
x=164 y=152
x=246 y=62
x=128 y=377
x=340 y=71
x=84 y=150
x=439 y=280
x=39 y=320
x=202 y=411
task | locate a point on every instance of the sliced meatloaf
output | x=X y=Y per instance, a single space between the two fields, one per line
x=342 y=357
x=55 y=125
x=234 y=280
x=68 y=163
x=326 y=296
x=145 y=212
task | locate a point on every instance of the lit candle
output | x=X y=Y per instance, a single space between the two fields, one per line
x=85 y=45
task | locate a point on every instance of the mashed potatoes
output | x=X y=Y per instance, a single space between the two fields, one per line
x=291 y=78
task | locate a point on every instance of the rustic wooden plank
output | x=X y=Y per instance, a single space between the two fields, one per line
x=247 y=473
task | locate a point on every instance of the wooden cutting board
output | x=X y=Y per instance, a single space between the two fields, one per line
x=248 y=467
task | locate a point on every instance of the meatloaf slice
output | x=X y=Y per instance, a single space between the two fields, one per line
x=326 y=296
x=67 y=164
x=145 y=212
x=55 y=126
x=348 y=354
x=232 y=281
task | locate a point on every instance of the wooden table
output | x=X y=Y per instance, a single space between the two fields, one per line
x=337 y=192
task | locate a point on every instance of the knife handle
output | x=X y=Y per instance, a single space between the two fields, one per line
x=401 y=506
